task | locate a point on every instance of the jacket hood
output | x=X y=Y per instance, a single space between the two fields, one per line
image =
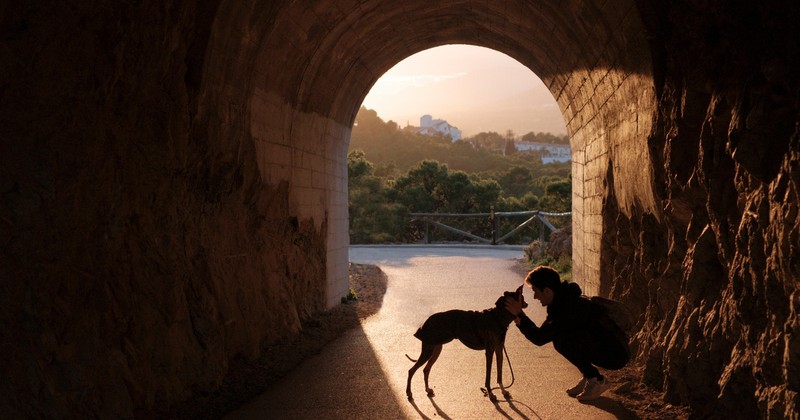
x=570 y=289
x=566 y=292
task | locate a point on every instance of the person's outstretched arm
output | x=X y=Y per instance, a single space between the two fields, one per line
x=537 y=335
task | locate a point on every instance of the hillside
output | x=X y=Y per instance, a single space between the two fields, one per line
x=395 y=150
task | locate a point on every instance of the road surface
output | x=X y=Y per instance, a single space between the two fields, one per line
x=362 y=375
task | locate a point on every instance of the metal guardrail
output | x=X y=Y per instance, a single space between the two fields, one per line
x=494 y=217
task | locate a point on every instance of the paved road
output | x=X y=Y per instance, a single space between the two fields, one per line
x=362 y=375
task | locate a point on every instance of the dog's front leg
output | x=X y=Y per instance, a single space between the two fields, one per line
x=499 y=357
x=489 y=374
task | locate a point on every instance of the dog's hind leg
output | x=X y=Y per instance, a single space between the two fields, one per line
x=424 y=356
x=427 y=371
x=489 y=374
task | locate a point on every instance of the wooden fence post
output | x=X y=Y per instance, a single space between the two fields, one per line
x=493 y=218
x=427 y=232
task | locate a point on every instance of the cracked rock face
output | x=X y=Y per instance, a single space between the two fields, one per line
x=719 y=329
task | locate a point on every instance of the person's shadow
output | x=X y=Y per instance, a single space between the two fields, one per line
x=614 y=407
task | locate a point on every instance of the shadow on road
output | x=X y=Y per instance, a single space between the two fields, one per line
x=246 y=380
x=513 y=404
x=344 y=381
x=421 y=414
x=613 y=407
x=438 y=409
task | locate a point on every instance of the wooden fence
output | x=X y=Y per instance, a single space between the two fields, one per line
x=432 y=219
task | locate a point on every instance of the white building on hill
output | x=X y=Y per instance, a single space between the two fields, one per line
x=429 y=126
x=551 y=153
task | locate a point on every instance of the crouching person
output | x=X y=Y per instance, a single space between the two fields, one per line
x=580 y=330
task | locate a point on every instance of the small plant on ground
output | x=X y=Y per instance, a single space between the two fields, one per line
x=351 y=296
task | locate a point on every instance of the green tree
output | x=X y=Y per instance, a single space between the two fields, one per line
x=510 y=148
x=558 y=196
x=357 y=165
x=545 y=138
x=372 y=218
x=487 y=140
x=394 y=171
x=432 y=187
x=516 y=181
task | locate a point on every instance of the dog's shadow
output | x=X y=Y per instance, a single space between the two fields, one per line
x=438 y=409
x=425 y=417
x=439 y=412
x=512 y=404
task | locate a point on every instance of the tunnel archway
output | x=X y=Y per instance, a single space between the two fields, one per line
x=299 y=111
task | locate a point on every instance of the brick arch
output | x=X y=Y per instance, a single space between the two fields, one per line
x=306 y=68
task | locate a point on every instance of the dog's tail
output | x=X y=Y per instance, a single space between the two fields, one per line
x=409 y=358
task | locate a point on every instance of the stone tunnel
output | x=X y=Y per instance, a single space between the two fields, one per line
x=174 y=183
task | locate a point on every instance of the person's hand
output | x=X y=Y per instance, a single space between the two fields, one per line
x=513 y=306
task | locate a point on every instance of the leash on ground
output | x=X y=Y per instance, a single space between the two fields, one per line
x=508 y=360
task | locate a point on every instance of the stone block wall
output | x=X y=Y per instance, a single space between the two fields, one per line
x=608 y=107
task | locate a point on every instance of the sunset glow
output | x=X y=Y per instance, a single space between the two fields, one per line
x=473 y=88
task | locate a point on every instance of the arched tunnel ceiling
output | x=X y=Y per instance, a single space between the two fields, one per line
x=356 y=42
x=302 y=60
x=296 y=73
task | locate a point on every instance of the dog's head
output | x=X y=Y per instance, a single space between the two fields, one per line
x=516 y=295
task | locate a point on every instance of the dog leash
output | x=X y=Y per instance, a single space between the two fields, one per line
x=508 y=361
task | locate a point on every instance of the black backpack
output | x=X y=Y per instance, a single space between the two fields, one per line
x=617 y=312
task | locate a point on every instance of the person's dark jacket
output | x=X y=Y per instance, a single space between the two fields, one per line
x=569 y=313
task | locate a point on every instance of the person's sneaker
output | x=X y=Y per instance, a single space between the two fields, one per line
x=593 y=389
x=577 y=389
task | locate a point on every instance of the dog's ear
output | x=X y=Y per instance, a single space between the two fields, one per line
x=521 y=298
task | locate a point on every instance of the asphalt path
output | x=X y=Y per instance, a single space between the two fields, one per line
x=362 y=375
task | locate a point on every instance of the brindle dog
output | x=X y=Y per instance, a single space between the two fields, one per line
x=484 y=330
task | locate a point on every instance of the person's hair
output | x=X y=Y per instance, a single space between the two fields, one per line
x=544 y=276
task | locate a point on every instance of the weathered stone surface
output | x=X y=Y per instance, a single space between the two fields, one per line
x=721 y=271
x=139 y=254
x=173 y=183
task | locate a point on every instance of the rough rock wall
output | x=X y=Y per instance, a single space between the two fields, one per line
x=721 y=313
x=138 y=256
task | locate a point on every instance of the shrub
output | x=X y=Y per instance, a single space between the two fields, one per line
x=556 y=253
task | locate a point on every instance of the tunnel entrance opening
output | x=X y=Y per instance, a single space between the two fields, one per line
x=304 y=81
x=499 y=146
x=307 y=84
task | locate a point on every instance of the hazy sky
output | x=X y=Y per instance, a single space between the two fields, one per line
x=475 y=89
